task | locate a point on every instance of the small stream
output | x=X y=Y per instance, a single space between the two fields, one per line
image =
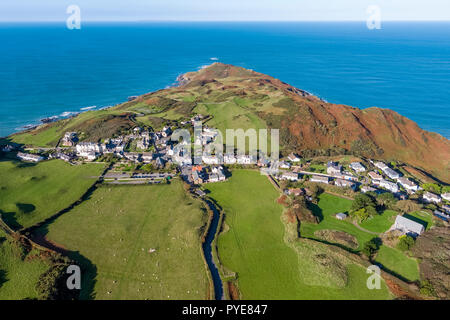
x=207 y=250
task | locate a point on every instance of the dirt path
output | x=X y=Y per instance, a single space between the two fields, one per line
x=365 y=230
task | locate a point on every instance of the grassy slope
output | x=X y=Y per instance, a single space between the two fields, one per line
x=115 y=230
x=255 y=248
x=327 y=207
x=18 y=278
x=397 y=261
x=31 y=193
x=380 y=223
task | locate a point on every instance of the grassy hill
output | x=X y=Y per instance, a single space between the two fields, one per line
x=18 y=276
x=30 y=193
x=238 y=98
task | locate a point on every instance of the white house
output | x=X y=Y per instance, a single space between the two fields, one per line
x=284 y=165
x=333 y=168
x=229 y=159
x=320 y=179
x=392 y=187
x=85 y=147
x=29 y=157
x=431 y=197
x=392 y=173
x=245 y=159
x=290 y=176
x=293 y=158
x=207 y=159
x=375 y=176
x=408 y=184
x=366 y=189
x=357 y=166
x=446 y=196
x=408 y=226
x=69 y=139
x=344 y=183
x=381 y=165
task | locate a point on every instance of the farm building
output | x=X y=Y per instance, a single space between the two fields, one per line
x=408 y=226
x=341 y=216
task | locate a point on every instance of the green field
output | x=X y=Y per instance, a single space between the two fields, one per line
x=18 y=278
x=398 y=262
x=113 y=232
x=380 y=223
x=326 y=210
x=30 y=193
x=254 y=246
x=424 y=218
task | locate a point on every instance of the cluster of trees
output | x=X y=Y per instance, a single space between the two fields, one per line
x=370 y=204
x=435 y=188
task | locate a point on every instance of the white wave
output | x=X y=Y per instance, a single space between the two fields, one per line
x=68 y=113
x=88 y=108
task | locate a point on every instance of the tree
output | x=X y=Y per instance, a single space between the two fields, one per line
x=371 y=247
x=405 y=243
x=407 y=206
x=432 y=187
x=387 y=200
x=315 y=189
x=361 y=214
x=362 y=201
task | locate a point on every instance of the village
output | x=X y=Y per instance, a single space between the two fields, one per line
x=144 y=156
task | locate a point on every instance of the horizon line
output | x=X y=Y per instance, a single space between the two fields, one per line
x=218 y=21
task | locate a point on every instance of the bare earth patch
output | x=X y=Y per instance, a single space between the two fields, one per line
x=339 y=237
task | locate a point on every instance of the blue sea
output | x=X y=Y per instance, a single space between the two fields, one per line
x=46 y=69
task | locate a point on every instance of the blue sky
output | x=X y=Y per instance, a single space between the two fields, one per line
x=224 y=10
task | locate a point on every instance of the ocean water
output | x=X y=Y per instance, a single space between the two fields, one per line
x=46 y=69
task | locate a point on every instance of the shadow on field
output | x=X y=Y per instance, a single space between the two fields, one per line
x=3 y=278
x=10 y=219
x=88 y=269
x=316 y=210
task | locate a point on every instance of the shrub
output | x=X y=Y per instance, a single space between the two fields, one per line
x=405 y=243
x=426 y=288
x=371 y=247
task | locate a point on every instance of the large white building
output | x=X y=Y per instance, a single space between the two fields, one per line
x=408 y=184
x=431 y=197
x=357 y=166
x=446 y=196
x=289 y=176
x=408 y=226
x=392 y=187
x=320 y=179
x=381 y=165
x=392 y=173
x=29 y=157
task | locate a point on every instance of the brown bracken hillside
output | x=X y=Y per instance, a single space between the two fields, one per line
x=311 y=125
